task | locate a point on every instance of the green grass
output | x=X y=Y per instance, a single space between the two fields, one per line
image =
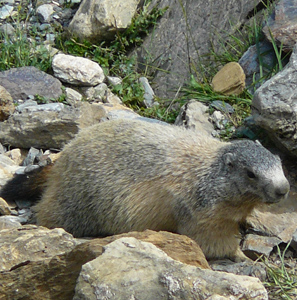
x=282 y=280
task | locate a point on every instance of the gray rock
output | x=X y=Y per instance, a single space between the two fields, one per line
x=251 y=66
x=6 y=11
x=44 y=12
x=281 y=26
x=25 y=81
x=98 y=20
x=114 y=80
x=29 y=103
x=184 y=34
x=195 y=115
x=248 y=268
x=7 y=29
x=7 y=169
x=48 y=129
x=149 y=94
x=132 y=269
x=77 y=70
x=274 y=106
x=31 y=156
x=73 y=97
x=255 y=245
x=8 y=222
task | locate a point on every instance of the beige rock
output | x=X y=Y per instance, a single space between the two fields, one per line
x=133 y=269
x=230 y=80
x=15 y=155
x=4 y=207
x=77 y=70
x=195 y=115
x=54 y=277
x=6 y=104
x=98 y=20
x=7 y=168
x=32 y=243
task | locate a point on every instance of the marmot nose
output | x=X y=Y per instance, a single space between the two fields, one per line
x=282 y=190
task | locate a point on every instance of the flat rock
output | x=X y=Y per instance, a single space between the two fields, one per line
x=256 y=245
x=27 y=81
x=133 y=269
x=43 y=128
x=282 y=25
x=77 y=70
x=230 y=80
x=277 y=220
x=98 y=20
x=274 y=106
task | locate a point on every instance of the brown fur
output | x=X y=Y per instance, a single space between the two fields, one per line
x=126 y=175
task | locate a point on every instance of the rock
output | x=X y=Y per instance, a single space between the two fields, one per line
x=4 y=208
x=274 y=106
x=247 y=268
x=6 y=11
x=15 y=155
x=195 y=115
x=77 y=70
x=277 y=220
x=32 y=243
x=149 y=94
x=55 y=277
x=222 y=106
x=132 y=269
x=281 y=25
x=230 y=80
x=184 y=36
x=44 y=12
x=7 y=29
x=7 y=169
x=48 y=129
x=255 y=245
x=25 y=81
x=73 y=97
x=97 y=93
x=114 y=80
x=251 y=66
x=9 y=222
x=111 y=98
x=98 y=20
x=6 y=104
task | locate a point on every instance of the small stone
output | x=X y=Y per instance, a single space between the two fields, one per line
x=112 y=98
x=9 y=222
x=222 y=106
x=44 y=12
x=149 y=94
x=23 y=106
x=72 y=97
x=230 y=80
x=114 y=80
x=15 y=155
x=7 y=29
x=32 y=154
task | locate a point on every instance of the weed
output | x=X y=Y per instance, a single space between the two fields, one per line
x=281 y=282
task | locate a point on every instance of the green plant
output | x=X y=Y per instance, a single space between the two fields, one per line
x=114 y=56
x=281 y=282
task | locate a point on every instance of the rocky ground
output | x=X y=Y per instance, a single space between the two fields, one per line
x=42 y=111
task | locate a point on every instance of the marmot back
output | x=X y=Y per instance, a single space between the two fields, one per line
x=128 y=175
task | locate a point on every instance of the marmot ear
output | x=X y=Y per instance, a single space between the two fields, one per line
x=229 y=158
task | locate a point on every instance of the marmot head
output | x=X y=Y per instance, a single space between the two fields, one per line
x=252 y=169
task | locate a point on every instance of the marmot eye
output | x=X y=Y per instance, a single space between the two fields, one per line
x=250 y=174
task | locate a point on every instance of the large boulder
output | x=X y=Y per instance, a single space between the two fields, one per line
x=187 y=31
x=98 y=20
x=274 y=106
x=132 y=269
x=21 y=83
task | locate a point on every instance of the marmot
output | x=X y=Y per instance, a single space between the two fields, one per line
x=126 y=175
